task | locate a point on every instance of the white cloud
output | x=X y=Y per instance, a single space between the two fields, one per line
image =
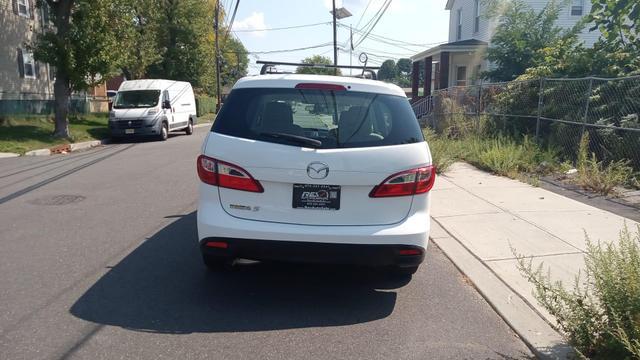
x=252 y=22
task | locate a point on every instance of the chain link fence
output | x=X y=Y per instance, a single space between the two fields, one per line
x=44 y=104
x=556 y=112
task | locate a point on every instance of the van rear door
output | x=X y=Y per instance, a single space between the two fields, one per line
x=317 y=154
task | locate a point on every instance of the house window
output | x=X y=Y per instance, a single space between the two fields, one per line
x=28 y=65
x=461 y=76
x=45 y=15
x=459 y=25
x=23 y=8
x=576 y=7
x=476 y=20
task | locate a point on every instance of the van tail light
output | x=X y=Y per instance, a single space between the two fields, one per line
x=410 y=182
x=223 y=174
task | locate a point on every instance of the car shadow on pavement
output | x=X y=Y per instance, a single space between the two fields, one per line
x=162 y=286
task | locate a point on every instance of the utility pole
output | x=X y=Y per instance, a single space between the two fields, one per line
x=216 y=27
x=350 y=49
x=335 y=44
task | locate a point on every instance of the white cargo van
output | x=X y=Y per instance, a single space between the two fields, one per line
x=152 y=108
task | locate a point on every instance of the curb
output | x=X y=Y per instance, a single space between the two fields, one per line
x=535 y=332
x=74 y=146
x=4 y=155
x=202 y=125
x=38 y=152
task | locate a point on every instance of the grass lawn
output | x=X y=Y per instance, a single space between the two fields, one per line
x=206 y=118
x=19 y=134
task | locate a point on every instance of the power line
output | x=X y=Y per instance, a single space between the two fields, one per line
x=374 y=15
x=233 y=17
x=364 y=12
x=400 y=55
x=374 y=24
x=285 y=28
x=296 y=49
x=391 y=39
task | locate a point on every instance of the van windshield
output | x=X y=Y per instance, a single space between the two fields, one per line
x=318 y=118
x=136 y=99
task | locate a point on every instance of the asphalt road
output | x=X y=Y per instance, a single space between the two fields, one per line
x=99 y=260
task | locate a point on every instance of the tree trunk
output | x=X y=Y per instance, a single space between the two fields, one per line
x=62 y=84
x=62 y=92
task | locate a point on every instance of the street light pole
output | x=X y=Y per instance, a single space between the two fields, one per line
x=335 y=42
x=338 y=14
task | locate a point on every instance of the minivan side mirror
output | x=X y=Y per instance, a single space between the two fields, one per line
x=166 y=104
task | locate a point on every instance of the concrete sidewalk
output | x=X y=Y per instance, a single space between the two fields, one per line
x=479 y=218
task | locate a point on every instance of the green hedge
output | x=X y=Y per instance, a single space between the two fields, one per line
x=205 y=105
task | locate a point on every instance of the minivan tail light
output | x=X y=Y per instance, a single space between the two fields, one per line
x=223 y=174
x=320 y=86
x=410 y=182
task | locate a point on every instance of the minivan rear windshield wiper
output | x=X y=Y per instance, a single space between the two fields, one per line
x=299 y=139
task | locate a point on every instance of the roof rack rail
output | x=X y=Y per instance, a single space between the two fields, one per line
x=268 y=65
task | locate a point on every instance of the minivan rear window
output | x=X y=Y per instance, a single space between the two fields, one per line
x=324 y=119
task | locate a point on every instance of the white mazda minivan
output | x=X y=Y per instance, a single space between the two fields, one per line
x=315 y=168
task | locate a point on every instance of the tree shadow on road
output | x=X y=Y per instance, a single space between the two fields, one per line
x=162 y=286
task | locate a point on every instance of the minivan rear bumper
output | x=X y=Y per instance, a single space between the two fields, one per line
x=313 y=252
x=412 y=232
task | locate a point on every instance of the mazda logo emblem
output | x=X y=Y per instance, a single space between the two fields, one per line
x=318 y=170
x=129 y=123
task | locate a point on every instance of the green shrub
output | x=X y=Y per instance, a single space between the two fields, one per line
x=444 y=152
x=507 y=157
x=600 y=316
x=205 y=105
x=596 y=176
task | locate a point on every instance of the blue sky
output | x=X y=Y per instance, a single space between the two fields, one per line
x=422 y=23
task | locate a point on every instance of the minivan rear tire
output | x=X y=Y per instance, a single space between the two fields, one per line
x=189 y=128
x=217 y=263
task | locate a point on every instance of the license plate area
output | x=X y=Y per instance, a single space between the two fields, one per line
x=317 y=197
x=129 y=131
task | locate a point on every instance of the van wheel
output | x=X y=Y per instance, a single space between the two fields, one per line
x=189 y=128
x=164 y=132
x=217 y=263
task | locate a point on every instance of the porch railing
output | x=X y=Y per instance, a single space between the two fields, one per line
x=423 y=106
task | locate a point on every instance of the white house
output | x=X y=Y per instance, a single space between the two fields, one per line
x=458 y=62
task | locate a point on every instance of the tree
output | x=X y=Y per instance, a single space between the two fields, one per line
x=183 y=33
x=618 y=21
x=143 y=34
x=617 y=53
x=235 y=61
x=84 y=46
x=388 y=70
x=317 y=60
x=519 y=38
x=405 y=66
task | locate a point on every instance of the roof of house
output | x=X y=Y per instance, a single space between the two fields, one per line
x=466 y=42
x=449 y=4
x=456 y=46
